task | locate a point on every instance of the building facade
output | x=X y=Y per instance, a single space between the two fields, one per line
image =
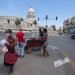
x=4 y=22
x=8 y=22
x=69 y=25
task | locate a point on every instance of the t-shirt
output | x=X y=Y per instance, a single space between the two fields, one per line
x=41 y=34
x=20 y=36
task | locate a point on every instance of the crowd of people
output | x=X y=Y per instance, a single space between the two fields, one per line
x=11 y=56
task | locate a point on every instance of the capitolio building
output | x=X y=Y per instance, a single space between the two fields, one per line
x=8 y=22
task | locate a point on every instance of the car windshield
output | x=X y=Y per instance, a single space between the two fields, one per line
x=35 y=35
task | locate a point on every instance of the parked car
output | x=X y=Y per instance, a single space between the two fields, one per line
x=73 y=35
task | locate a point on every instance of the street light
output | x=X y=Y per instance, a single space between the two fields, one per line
x=56 y=18
x=38 y=18
x=46 y=20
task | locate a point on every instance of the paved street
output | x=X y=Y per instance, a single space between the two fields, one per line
x=60 y=62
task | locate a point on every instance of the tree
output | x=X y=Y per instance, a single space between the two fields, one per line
x=8 y=21
x=31 y=24
x=54 y=27
x=35 y=22
x=17 y=22
x=21 y=19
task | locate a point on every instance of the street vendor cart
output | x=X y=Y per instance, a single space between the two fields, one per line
x=33 y=42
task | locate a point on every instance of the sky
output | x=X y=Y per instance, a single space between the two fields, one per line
x=63 y=9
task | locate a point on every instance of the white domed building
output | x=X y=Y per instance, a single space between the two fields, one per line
x=27 y=23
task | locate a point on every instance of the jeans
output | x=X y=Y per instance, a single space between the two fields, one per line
x=21 y=49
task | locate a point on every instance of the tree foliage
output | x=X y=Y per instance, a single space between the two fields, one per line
x=54 y=27
x=35 y=22
x=17 y=22
x=8 y=21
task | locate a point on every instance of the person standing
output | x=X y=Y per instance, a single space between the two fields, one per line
x=41 y=33
x=10 y=56
x=20 y=41
x=45 y=42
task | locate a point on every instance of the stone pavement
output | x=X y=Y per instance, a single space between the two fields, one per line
x=35 y=64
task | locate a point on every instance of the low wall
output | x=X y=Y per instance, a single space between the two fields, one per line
x=3 y=30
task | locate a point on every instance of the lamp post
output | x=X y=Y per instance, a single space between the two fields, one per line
x=46 y=21
x=46 y=18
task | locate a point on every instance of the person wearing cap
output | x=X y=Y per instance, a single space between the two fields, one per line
x=10 y=56
x=20 y=42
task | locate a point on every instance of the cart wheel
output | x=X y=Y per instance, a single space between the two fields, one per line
x=39 y=48
x=25 y=49
x=29 y=51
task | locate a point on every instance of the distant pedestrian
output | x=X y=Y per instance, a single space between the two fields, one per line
x=20 y=41
x=45 y=42
x=10 y=57
x=60 y=33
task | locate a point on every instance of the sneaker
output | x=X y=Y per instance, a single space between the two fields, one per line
x=22 y=56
